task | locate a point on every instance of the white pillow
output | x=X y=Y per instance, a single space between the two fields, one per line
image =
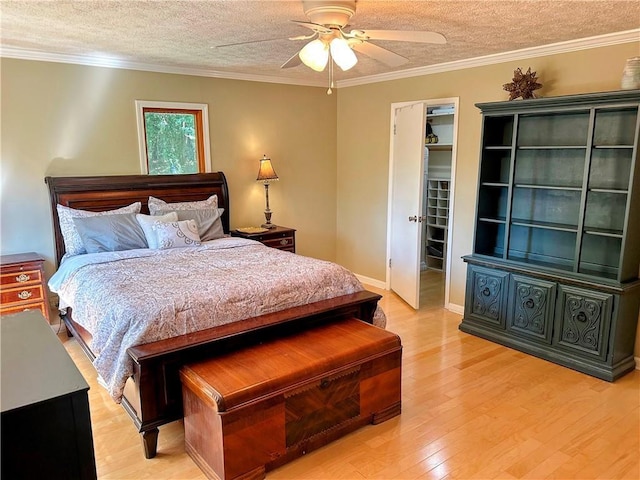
x=72 y=242
x=177 y=234
x=147 y=222
x=156 y=205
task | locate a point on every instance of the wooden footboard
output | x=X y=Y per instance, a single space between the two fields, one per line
x=154 y=397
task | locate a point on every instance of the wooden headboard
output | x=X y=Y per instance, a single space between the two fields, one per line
x=109 y=192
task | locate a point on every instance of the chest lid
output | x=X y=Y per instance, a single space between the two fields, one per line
x=264 y=369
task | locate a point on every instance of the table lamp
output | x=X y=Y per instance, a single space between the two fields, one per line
x=267 y=174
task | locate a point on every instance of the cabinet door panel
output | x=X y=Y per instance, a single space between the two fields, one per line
x=531 y=307
x=488 y=289
x=583 y=321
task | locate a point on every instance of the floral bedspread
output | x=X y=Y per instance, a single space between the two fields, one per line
x=139 y=296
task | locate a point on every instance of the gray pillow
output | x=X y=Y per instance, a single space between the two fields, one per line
x=110 y=233
x=157 y=204
x=72 y=241
x=208 y=220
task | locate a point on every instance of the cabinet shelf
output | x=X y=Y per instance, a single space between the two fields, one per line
x=551 y=147
x=439 y=146
x=545 y=225
x=607 y=190
x=613 y=147
x=548 y=187
x=492 y=220
x=603 y=232
x=494 y=184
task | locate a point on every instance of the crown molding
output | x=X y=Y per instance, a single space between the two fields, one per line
x=628 y=36
x=101 y=61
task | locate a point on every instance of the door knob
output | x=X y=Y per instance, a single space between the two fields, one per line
x=413 y=219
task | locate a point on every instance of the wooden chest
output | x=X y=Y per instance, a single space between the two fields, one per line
x=252 y=410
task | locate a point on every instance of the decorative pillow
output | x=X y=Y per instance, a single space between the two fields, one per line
x=72 y=242
x=147 y=221
x=177 y=234
x=208 y=220
x=110 y=233
x=156 y=205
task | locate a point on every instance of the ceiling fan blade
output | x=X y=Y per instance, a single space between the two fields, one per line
x=292 y=62
x=316 y=27
x=404 y=36
x=303 y=37
x=378 y=53
x=249 y=42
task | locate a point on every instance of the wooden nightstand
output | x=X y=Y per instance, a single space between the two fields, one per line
x=282 y=238
x=22 y=284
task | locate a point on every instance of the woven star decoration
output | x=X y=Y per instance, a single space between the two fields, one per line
x=523 y=85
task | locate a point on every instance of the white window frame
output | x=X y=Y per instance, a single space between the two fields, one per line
x=142 y=141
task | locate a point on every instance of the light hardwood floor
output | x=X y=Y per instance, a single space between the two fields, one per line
x=471 y=409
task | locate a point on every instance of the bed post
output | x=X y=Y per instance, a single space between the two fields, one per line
x=150 y=442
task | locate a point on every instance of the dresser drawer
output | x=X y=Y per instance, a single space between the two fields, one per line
x=19 y=278
x=25 y=294
x=6 y=310
x=283 y=243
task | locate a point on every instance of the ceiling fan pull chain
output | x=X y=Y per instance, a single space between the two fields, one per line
x=329 y=92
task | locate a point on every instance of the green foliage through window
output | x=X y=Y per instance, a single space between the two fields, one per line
x=171 y=143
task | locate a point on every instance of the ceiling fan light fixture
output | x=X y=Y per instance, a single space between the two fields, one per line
x=315 y=55
x=342 y=54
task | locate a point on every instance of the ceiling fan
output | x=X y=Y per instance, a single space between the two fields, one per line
x=327 y=20
x=329 y=40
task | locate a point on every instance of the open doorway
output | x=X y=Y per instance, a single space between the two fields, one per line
x=435 y=160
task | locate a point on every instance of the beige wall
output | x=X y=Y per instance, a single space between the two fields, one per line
x=60 y=119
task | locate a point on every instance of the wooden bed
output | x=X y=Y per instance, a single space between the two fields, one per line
x=153 y=395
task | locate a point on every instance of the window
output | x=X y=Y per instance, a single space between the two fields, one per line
x=173 y=137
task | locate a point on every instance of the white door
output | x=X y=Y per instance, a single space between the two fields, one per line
x=406 y=201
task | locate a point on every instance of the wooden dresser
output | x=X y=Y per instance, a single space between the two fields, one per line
x=282 y=238
x=22 y=284
x=46 y=425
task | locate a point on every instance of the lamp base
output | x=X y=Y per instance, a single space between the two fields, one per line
x=268 y=225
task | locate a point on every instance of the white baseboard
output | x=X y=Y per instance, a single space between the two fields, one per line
x=452 y=307
x=372 y=281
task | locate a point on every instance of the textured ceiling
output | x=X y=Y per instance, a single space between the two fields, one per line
x=186 y=34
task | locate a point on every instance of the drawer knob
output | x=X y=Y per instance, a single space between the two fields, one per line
x=486 y=292
x=581 y=317
x=23 y=295
x=324 y=384
x=23 y=277
x=284 y=241
x=529 y=303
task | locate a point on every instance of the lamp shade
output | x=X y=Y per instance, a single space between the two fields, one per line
x=266 y=172
x=342 y=54
x=315 y=55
